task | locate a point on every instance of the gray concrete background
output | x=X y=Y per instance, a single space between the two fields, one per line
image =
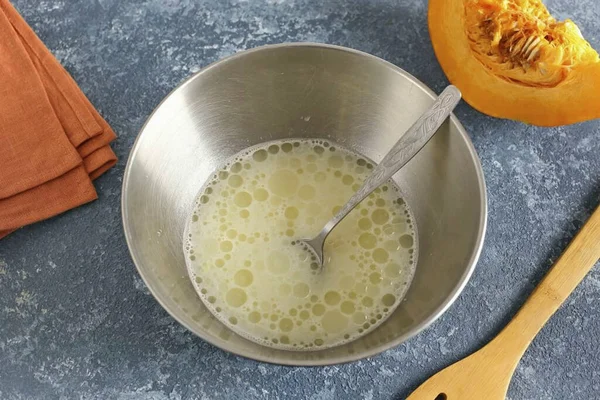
x=77 y=322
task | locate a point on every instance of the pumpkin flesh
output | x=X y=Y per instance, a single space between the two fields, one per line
x=512 y=59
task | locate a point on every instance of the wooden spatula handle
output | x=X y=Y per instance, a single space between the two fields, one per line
x=570 y=269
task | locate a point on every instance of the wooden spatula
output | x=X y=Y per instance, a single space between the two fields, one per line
x=486 y=373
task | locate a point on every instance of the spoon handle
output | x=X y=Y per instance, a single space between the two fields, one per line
x=570 y=269
x=402 y=152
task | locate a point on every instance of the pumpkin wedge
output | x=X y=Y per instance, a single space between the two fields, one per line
x=512 y=59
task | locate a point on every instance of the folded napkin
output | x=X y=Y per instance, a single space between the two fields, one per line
x=53 y=142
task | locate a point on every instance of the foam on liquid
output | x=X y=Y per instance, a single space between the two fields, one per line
x=247 y=272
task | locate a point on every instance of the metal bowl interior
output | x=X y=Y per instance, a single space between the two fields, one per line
x=302 y=91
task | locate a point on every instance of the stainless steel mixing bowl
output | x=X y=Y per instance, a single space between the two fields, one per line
x=303 y=91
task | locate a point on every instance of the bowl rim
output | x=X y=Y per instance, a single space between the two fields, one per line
x=437 y=313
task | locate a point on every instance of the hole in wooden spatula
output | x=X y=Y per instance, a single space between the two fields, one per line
x=441 y=396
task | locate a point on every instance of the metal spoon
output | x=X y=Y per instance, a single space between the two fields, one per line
x=403 y=151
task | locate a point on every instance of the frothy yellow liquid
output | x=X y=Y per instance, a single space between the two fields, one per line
x=242 y=262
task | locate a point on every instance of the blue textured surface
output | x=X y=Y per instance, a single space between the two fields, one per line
x=77 y=322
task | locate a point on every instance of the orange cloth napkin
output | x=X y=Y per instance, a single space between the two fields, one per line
x=53 y=142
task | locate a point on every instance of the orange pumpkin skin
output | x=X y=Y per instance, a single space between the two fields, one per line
x=512 y=60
